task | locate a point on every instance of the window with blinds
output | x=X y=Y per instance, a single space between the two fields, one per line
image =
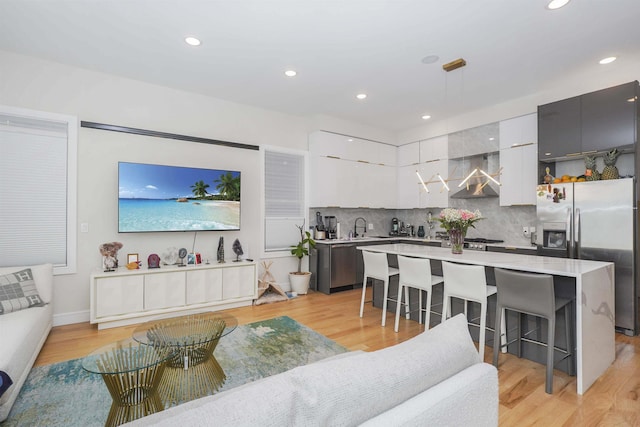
x=285 y=201
x=37 y=189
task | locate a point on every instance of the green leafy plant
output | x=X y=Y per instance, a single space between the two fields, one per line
x=302 y=248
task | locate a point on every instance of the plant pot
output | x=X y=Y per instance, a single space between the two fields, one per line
x=300 y=282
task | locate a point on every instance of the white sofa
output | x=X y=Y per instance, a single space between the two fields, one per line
x=435 y=378
x=23 y=332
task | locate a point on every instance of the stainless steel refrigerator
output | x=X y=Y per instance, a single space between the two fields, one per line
x=594 y=221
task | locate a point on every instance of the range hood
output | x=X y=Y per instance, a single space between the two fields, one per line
x=475 y=191
x=476 y=187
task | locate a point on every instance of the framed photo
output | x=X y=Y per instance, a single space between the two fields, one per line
x=132 y=258
x=191 y=258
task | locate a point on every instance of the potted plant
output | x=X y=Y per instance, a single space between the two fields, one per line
x=300 y=279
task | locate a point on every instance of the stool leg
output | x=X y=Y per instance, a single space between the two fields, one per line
x=568 y=327
x=445 y=307
x=384 y=301
x=550 y=354
x=499 y=325
x=406 y=302
x=483 y=329
x=519 y=336
x=364 y=291
x=395 y=327
x=427 y=315
x=503 y=332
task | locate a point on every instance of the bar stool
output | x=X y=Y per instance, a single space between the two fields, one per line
x=415 y=273
x=534 y=294
x=376 y=266
x=469 y=283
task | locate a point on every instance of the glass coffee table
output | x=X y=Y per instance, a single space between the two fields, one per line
x=132 y=373
x=192 y=371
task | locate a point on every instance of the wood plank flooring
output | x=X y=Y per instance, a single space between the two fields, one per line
x=614 y=400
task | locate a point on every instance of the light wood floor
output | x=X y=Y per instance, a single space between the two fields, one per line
x=614 y=400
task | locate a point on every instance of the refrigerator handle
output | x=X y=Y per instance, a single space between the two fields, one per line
x=569 y=236
x=577 y=231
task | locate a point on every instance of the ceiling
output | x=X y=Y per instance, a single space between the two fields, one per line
x=339 y=48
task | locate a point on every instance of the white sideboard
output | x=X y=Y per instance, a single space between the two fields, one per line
x=125 y=297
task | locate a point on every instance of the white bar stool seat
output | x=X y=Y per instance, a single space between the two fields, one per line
x=415 y=273
x=376 y=266
x=469 y=283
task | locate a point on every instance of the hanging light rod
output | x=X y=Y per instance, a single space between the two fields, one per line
x=443 y=182
x=468 y=177
x=422 y=182
x=489 y=176
x=454 y=65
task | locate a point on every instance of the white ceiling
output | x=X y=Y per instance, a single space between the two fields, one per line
x=513 y=48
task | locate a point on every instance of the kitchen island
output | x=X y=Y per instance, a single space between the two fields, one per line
x=594 y=293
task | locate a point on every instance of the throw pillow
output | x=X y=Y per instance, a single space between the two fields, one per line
x=18 y=291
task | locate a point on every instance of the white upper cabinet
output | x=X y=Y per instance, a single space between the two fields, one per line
x=519 y=160
x=409 y=154
x=409 y=189
x=350 y=172
x=519 y=131
x=438 y=196
x=434 y=149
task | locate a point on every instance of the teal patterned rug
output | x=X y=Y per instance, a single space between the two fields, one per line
x=63 y=394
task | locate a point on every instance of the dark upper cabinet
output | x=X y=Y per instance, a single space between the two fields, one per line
x=559 y=128
x=589 y=123
x=608 y=118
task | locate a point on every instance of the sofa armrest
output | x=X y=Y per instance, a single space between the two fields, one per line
x=467 y=398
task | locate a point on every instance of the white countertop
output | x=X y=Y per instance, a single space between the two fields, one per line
x=377 y=239
x=533 y=263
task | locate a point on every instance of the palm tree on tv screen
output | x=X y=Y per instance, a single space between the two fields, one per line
x=228 y=186
x=200 y=189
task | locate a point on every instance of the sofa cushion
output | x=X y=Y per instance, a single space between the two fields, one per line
x=18 y=291
x=339 y=392
x=42 y=275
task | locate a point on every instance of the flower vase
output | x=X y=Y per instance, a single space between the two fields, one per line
x=456 y=237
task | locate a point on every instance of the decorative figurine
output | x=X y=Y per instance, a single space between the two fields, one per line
x=153 y=261
x=221 y=250
x=109 y=252
x=237 y=249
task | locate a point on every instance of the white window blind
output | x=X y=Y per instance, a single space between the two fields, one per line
x=37 y=190
x=284 y=198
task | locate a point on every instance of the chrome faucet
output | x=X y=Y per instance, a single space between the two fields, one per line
x=355 y=227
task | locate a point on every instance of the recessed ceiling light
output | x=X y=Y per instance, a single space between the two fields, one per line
x=361 y=95
x=426 y=117
x=492 y=139
x=608 y=60
x=430 y=59
x=556 y=4
x=192 y=41
x=350 y=140
x=290 y=73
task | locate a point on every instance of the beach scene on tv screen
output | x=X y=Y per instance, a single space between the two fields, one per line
x=172 y=198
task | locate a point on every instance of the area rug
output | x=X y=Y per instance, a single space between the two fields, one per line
x=64 y=394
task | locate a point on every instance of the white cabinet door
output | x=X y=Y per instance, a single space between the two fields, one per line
x=327 y=144
x=238 y=282
x=434 y=149
x=438 y=196
x=408 y=187
x=387 y=155
x=324 y=181
x=519 y=175
x=519 y=131
x=164 y=290
x=408 y=154
x=204 y=286
x=119 y=295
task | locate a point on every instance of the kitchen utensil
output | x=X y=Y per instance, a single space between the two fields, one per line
x=319 y=224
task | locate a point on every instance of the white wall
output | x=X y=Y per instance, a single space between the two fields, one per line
x=46 y=86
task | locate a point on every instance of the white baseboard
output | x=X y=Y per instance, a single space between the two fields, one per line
x=70 y=318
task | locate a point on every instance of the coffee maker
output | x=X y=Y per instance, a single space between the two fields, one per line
x=395 y=227
x=332 y=225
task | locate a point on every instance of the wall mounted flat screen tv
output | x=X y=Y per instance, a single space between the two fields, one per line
x=155 y=198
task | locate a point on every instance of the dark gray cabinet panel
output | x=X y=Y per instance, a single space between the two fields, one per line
x=559 y=129
x=608 y=118
x=594 y=122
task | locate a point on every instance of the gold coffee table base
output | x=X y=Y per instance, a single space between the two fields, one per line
x=192 y=372
x=132 y=373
